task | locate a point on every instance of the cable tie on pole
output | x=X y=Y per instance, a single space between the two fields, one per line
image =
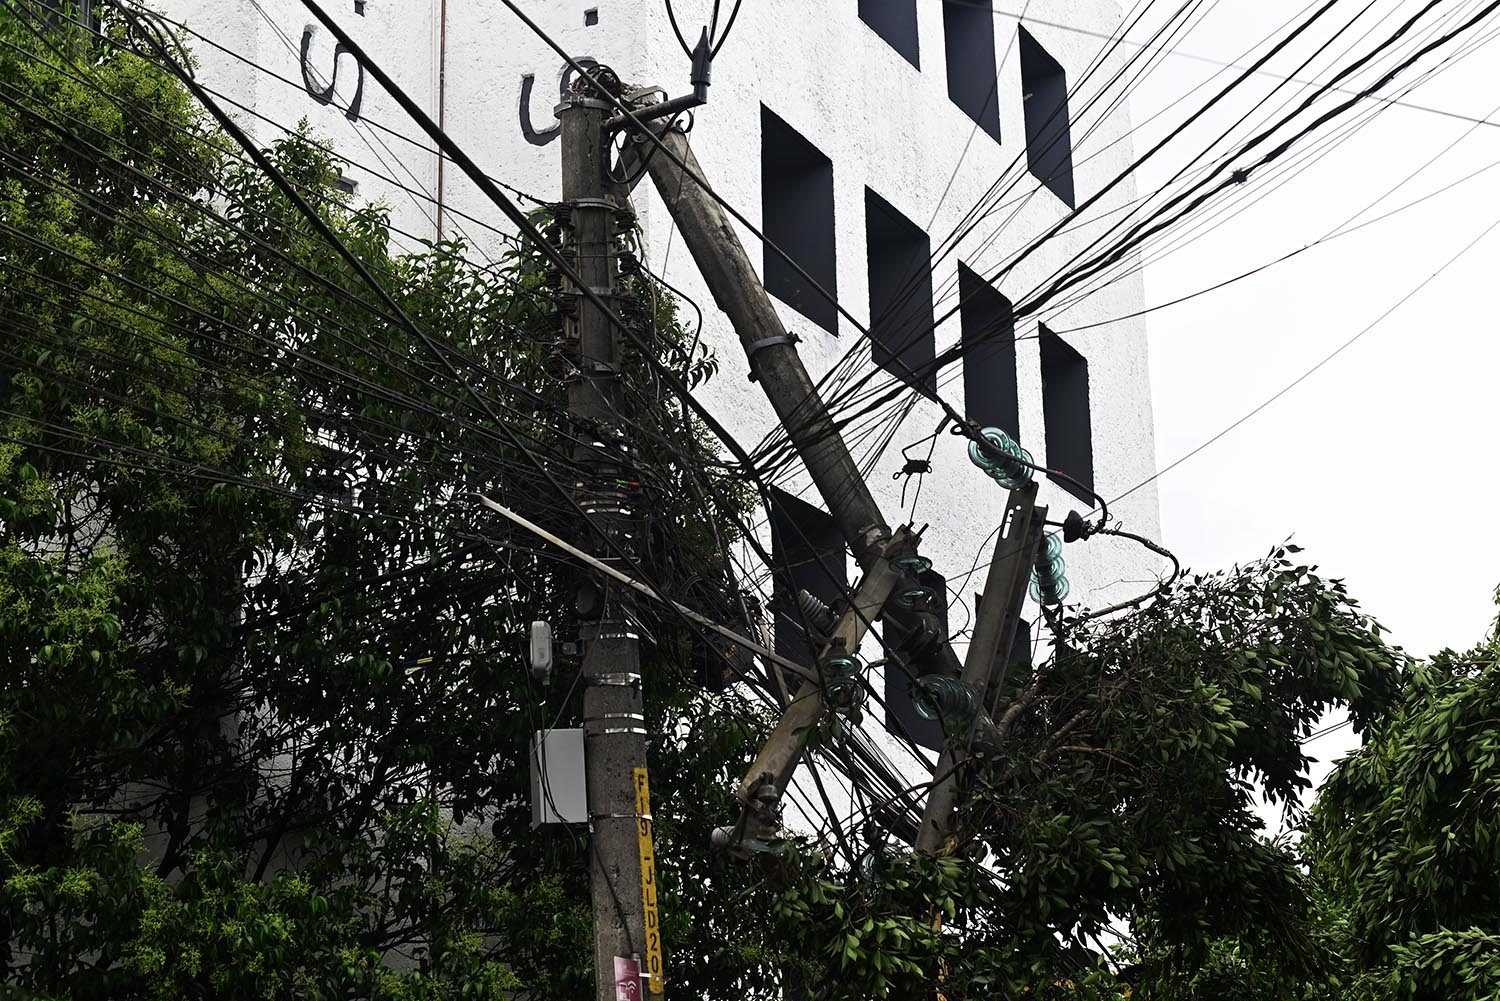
x=754 y=347
x=634 y=731
x=622 y=679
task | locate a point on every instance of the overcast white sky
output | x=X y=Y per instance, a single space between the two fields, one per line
x=1381 y=463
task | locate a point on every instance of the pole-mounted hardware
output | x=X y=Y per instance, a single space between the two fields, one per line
x=949 y=701
x=839 y=671
x=790 y=337
x=699 y=77
x=540 y=651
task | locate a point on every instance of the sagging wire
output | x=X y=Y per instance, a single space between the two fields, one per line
x=1072 y=525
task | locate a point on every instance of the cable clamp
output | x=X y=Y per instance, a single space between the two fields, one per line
x=755 y=347
x=620 y=816
x=576 y=292
x=623 y=679
x=637 y=717
x=594 y=203
x=638 y=731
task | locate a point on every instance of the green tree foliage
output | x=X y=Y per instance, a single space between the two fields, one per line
x=1400 y=850
x=1404 y=840
x=1119 y=785
x=233 y=518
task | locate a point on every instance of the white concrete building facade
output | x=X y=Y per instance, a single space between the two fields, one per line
x=859 y=134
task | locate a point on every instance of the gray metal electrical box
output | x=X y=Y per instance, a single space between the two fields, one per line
x=559 y=787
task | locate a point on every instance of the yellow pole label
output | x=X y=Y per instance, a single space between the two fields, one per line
x=654 y=972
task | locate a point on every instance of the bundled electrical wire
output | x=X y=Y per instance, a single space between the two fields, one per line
x=408 y=405
x=480 y=421
x=878 y=399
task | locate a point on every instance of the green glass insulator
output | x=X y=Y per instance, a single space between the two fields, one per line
x=946 y=699
x=1006 y=471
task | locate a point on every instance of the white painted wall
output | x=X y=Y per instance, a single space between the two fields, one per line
x=881 y=121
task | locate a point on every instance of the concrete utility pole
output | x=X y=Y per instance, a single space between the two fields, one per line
x=627 y=933
x=774 y=360
x=994 y=631
x=775 y=363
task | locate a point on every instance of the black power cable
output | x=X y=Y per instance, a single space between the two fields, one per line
x=949 y=356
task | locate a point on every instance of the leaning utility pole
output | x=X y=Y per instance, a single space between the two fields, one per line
x=885 y=557
x=627 y=933
x=775 y=363
x=994 y=631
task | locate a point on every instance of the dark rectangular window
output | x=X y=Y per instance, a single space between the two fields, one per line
x=1049 y=143
x=989 y=341
x=1065 y=405
x=973 y=83
x=901 y=712
x=896 y=22
x=901 y=328
x=809 y=555
x=796 y=184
